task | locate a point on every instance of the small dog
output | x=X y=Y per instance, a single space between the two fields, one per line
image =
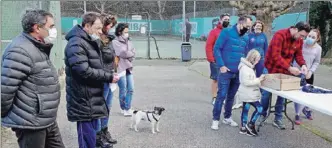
x=151 y=116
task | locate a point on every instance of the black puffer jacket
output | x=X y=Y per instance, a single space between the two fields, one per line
x=108 y=54
x=30 y=89
x=85 y=77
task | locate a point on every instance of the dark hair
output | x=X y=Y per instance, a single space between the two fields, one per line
x=244 y=18
x=107 y=20
x=223 y=15
x=258 y=22
x=119 y=29
x=33 y=17
x=90 y=18
x=302 y=26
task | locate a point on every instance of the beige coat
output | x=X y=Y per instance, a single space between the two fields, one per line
x=249 y=84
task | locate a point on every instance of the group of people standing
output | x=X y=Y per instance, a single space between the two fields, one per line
x=240 y=56
x=97 y=56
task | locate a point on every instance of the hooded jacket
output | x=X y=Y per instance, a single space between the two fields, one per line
x=211 y=40
x=249 y=84
x=85 y=77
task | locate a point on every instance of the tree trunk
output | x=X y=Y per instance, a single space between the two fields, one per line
x=161 y=17
x=102 y=8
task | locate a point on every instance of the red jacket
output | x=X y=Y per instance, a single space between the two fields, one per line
x=213 y=36
x=282 y=51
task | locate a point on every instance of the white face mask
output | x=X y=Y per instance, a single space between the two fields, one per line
x=94 y=37
x=52 y=34
x=112 y=31
x=126 y=35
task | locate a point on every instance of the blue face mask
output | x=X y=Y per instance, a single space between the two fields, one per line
x=309 y=41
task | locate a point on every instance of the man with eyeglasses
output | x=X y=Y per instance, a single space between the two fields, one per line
x=231 y=45
x=213 y=36
x=285 y=46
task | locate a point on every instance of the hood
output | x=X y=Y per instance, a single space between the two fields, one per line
x=219 y=25
x=245 y=62
x=78 y=31
x=121 y=39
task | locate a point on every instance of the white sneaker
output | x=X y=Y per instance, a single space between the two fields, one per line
x=213 y=101
x=127 y=113
x=236 y=106
x=215 y=125
x=122 y=111
x=230 y=122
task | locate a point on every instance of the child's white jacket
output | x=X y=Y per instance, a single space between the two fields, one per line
x=249 y=84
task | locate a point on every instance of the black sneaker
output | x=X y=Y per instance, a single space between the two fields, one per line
x=108 y=137
x=249 y=131
x=101 y=142
x=243 y=130
x=279 y=124
x=253 y=129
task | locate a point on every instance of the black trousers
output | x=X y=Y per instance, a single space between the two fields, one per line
x=49 y=137
x=187 y=37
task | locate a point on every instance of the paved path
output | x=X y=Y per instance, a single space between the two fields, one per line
x=185 y=93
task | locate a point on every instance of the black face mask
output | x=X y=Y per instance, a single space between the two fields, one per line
x=243 y=31
x=225 y=24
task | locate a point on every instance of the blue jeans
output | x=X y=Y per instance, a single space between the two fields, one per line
x=228 y=84
x=245 y=110
x=279 y=106
x=108 y=95
x=126 y=89
x=87 y=131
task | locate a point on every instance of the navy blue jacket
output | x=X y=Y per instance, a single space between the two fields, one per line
x=259 y=42
x=229 y=48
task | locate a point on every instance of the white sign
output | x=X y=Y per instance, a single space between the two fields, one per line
x=136 y=17
x=143 y=29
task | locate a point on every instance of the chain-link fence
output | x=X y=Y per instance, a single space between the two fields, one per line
x=12 y=12
x=161 y=20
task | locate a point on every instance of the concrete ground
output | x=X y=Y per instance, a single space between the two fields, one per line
x=184 y=90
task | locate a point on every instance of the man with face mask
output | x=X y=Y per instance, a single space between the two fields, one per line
x=85 y=78
x=30 y=89
x=213 y=35
x=285 y=46
x=230 y=47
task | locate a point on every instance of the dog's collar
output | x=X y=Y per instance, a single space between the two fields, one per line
x=147 y=115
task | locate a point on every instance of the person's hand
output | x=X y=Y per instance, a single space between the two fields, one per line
x=261 y=78
x=224 y=69
x=295 y=71
x=115 y=78
x=304 y=69
x=308 y=75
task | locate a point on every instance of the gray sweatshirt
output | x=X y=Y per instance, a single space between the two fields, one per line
x=312 y=56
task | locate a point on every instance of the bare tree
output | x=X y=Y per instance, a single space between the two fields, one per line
x=105 y=6
x=265 y=11
x=72 y=8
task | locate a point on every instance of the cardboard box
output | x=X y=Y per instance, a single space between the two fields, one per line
x=281 y=82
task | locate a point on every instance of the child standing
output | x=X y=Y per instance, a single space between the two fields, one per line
x=249 y=92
